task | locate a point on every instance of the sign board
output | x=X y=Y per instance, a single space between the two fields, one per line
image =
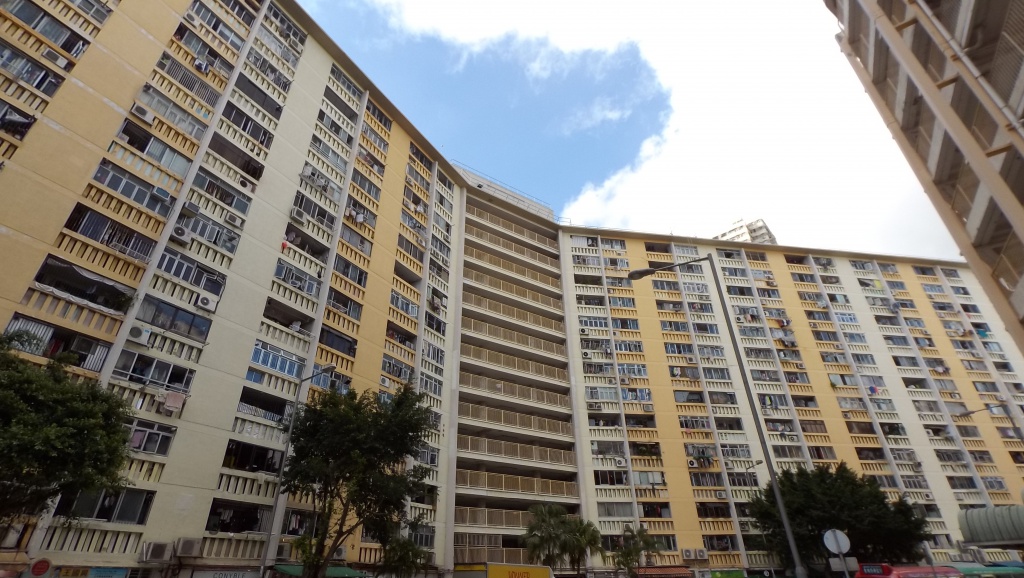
x=226 y=574
x=517 y=571
x=836 y=542
x=836 y=564
x=40 y=567
x=86 y=572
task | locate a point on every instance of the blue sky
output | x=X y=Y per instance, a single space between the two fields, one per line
x=667 y=117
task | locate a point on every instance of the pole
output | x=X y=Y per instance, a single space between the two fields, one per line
x=798 y=565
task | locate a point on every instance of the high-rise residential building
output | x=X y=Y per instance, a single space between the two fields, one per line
x=755 y=231
x=208 y=203
x=946 y=78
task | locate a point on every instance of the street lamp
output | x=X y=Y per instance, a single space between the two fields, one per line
x=800 y=570
x=1006 y=412
x=265 y=558
x=754 y=465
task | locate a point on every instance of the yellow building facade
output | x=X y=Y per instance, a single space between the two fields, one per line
x=208 y=204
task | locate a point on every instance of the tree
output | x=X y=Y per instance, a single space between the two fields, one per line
x=636 y=545
x=581 y=538
x=401 y=558
x=56 y=436
x=820 y=499
x=545 y=535
x=350 y=458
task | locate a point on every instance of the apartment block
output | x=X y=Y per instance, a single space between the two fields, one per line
x=945 y=76
x=214 y=210
x=755 y=231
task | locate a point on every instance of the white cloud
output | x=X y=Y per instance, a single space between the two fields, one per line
x=600 y=111
x=767 y=119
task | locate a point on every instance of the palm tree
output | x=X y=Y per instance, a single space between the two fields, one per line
x=635 y=544
x=581 y=538
x=545 y=535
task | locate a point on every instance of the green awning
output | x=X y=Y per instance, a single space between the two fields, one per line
x=332 y=571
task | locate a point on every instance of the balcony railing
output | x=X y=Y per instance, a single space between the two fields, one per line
x=520 y=484
x=512 y=288
x=511 y=267
x=507 y=389
x=513 y=362
x=510 y=226
x=512 y=336
x=513 y=312
x=514 y=419
x=516 y=451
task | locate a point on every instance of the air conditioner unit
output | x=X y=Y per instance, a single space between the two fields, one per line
x=740 y=319
x=190 y=18
x=143 y=113
x=181 y=235
x=954 y=395
x=54 y=57
x=234 y=220
x=189 y=208
x=294 y=43
x=156 y=552
x=298 y=216
x=189 y=547
x=687 y=554
x=648 y=407
x=385 y=382
x=584 y=331
x=247 y=185
x=644 y=526
x=766 y=411
x=692 y=463
x=593 y=406
x=691 y=359
x=917 y=467
x=721 y=495
x=727 y=464
x=339 y=554
x=801 y=366
x=847 y=415
x=284 y=551
x=139 y=334
x=620 y=462
x=587 y=355
x=201 y=65
x=772 y=284
x=959 y=497
x=930 y=432
x=702 y=554
x=623 y=381
x=744 y=526
x=206 y=302
x=814 y=325
x=927 y=496
x=611 y=381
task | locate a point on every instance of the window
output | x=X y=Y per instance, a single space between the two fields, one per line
x=720 y=373
x=166 y=316
x=962 y=482
x=210 y=231
x=149 y=437
x=843 y=317
x=625 y=323
x=745 y=479
x=788 y=452
x=679 y=326
x=611 y=478
x=120 y=507
x=346 y=269
x=222 y=191
x=393 y=367
x=277 y=359
x=428 y=454
x=615 y=509
x=47 y=26
x=662 y=285
x=138 y=138
x=189 y=270
x=752 y=331
x=706 y=479
x=622 y=302
x=252 y=458
x=678 y=348
x=139 y=368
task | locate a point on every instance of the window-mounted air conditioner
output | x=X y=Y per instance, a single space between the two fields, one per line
x=593 y=406
x=623 y=381
x=156 y=552
x=191 y=18
x=620 y=462
x=727 y=464
x=691 y=359
x=692 y=463
x=189 y=547
x=648 y=407
x=145 y=115
x=587 y=355
x=298 y=216
x=584 y=331
x=284 y=551
x=139 y=334
x=234 y=220
x=190 y=209
x=721 y=495
x=54 y=57
x=206 y=302
x=181 y=235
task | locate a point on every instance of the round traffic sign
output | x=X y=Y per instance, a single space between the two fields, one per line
x=836 y=541
x=40 y=567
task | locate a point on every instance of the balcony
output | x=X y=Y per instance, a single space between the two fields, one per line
x=491 y=518
x=517 y=484
x=512 y=227
x=507 y=389
x=512 y=268
x=528 y=254
x=511 y=312
x=511 y=362
x=507 y=335
x=511 y=289
x=512 y=450
x=514 y=419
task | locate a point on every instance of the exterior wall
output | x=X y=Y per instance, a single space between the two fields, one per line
x=355 y=244
x=945 y=78
x=756 y=231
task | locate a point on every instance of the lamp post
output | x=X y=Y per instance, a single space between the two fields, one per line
x=988 y=407
x=265 y=558
x=799 y=569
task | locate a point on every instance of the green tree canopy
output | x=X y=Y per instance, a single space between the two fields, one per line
x=349 y=456
x=56 y=436
x=401 y=558
x=636 y=545
x=582 y=537
x=545 y=535
x=820 y=499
